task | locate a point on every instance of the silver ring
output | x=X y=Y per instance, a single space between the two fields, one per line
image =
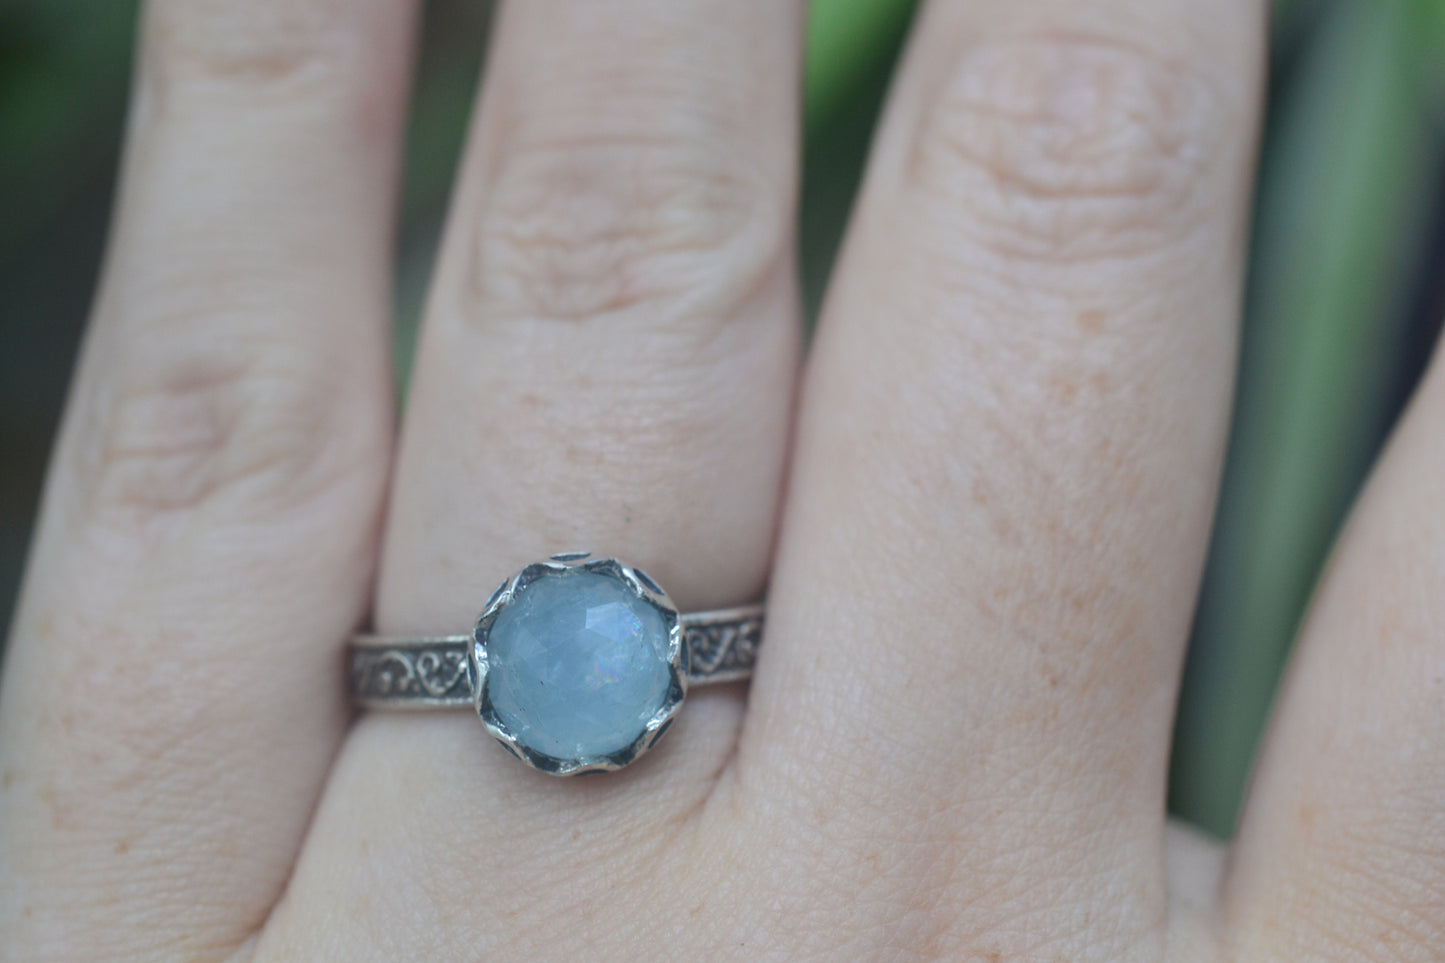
x=575 y=664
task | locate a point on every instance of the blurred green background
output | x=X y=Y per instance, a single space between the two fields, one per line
x=1345 y=296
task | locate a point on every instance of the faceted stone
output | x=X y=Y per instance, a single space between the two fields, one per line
x=577 y=665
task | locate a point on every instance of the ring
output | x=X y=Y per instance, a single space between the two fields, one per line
x=575 y=664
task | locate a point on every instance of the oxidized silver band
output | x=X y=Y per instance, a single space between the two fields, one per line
x=575 y=664
x=400 y=672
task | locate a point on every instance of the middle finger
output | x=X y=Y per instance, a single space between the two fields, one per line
x=1016 y=401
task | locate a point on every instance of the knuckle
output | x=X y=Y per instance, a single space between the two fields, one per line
x=258 y=46
x=1386 y=885
x=1368 y=917
x=255 y=433
x=1065 y=146
x=623 y=226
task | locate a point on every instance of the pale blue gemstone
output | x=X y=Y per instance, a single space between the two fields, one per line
x=577 y=665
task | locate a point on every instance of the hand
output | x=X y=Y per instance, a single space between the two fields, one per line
x=988 y=535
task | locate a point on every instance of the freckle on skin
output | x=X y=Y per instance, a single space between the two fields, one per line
x=1002 y=527
x=59 y=816
x=1091 y=321
x=122 y=847
x=9 y=779
x=1065 y=387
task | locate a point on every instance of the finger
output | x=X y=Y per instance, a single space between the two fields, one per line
x=1343 y=841
x=171 y=699
x=607 y=365
x=1010 y=435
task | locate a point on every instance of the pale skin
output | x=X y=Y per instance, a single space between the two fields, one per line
x=979 y=502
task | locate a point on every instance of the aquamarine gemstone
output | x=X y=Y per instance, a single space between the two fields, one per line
x=577 y=665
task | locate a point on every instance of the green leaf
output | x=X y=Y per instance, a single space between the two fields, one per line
x=1348 y=174
x=847 y=40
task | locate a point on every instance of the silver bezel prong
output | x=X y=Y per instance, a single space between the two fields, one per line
x=571 y=556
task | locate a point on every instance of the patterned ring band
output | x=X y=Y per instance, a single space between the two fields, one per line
x=574 y=665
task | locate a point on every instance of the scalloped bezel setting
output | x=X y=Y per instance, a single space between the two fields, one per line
x=636 y=584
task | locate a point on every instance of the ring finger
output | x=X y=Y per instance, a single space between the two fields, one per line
x=607 y=364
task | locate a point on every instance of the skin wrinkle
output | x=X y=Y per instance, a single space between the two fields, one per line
x=172 y=450
x=1066 y=143
x=1353 y=848
x=273 y=44
x=314 y=63
x=602 y=228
